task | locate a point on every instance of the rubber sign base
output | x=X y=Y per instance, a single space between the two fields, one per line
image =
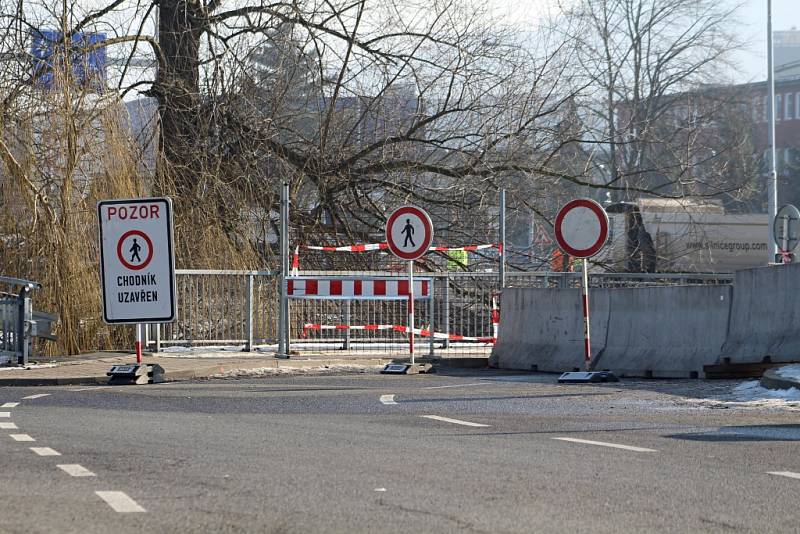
x=587 y=377
x=135 y=374
x=407 y=369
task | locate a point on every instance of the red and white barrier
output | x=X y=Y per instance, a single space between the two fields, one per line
x=368 y=288
x=495 y=318
x=296 y=261
x=422 y=332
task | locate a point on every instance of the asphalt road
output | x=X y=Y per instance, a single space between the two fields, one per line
x=361 y=454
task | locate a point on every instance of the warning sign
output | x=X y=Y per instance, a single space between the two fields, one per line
x=137 y=264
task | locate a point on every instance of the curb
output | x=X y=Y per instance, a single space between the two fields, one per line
x=206 y=370
x=772 y=380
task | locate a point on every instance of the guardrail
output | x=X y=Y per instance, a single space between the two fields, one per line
x=227 y=307
x=17 y=327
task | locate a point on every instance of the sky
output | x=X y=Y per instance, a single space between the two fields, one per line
x=752 y=62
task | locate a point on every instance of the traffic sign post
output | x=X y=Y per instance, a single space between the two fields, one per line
x=786 y=232
x=137 y=267
x=409 y=234
x=581 y=229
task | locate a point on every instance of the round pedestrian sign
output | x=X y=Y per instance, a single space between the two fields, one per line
x=409 y=232
x=786 y=228
x=134 y=250
x=581 y=228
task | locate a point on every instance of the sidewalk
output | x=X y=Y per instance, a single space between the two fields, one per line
x=90 y=369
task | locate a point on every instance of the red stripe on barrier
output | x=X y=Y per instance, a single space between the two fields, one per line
x=379 y=287
x=336 y=287
x=425 y=290
x=471 y=248
x=370 y=327
x=402 y=287
x=290 y=287
x=358 y=248
x=383 y=246
x=311 y=287
x=357 y=287
x=342 y=327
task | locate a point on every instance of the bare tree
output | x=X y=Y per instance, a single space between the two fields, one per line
x=654 y=71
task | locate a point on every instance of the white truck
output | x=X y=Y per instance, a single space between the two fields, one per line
x=654 y=235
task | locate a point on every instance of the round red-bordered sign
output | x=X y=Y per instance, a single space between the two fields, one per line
x=409 y=232
x=581 y=228
x=121 y=257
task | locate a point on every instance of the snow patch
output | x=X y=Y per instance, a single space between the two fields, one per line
x=791 y=372
x=752 y=390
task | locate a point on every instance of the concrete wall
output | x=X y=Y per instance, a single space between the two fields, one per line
x=765 y=316
x=660 y=331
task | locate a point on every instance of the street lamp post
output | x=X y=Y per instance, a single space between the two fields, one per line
x=772 y=181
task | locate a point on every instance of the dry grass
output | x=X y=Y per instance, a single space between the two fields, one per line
x=62 y=150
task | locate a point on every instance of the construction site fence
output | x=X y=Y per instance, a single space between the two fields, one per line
x=230 y=308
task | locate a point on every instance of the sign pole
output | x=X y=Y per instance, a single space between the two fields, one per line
x=785 y=240
x=411 y=309
x=138 y=344
x=587 y=344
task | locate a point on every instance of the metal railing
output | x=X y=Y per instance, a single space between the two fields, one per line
x=220 y=307
x=241 y=308
x=17 y=327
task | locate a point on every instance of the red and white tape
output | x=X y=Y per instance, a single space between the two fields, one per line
x=368 y=247
x=422 y=332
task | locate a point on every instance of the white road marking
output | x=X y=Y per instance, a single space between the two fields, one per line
x=454 y=386
x=10 y=405
x=604 y=444
x=8 y=426
x=37 y=396
x=75 y=470
x=454 y=421
x=45 y=451
x=387 y=399
x=788 y=474
x=119 y=502
x=380 y=489
x=21 y=437
x=5 y=414
x=93 y=388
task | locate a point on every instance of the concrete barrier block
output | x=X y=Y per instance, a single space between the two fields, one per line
x=665 y=331
x=765 y=316
x=542 y=329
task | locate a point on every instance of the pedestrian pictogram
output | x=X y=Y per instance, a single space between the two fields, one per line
x=129 y=250
x=409 y=232
x=136 y=260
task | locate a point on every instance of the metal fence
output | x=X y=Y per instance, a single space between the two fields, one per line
x=241 y=308
x=17 y=326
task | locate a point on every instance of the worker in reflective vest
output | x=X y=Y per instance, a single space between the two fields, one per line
x=560 y=262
